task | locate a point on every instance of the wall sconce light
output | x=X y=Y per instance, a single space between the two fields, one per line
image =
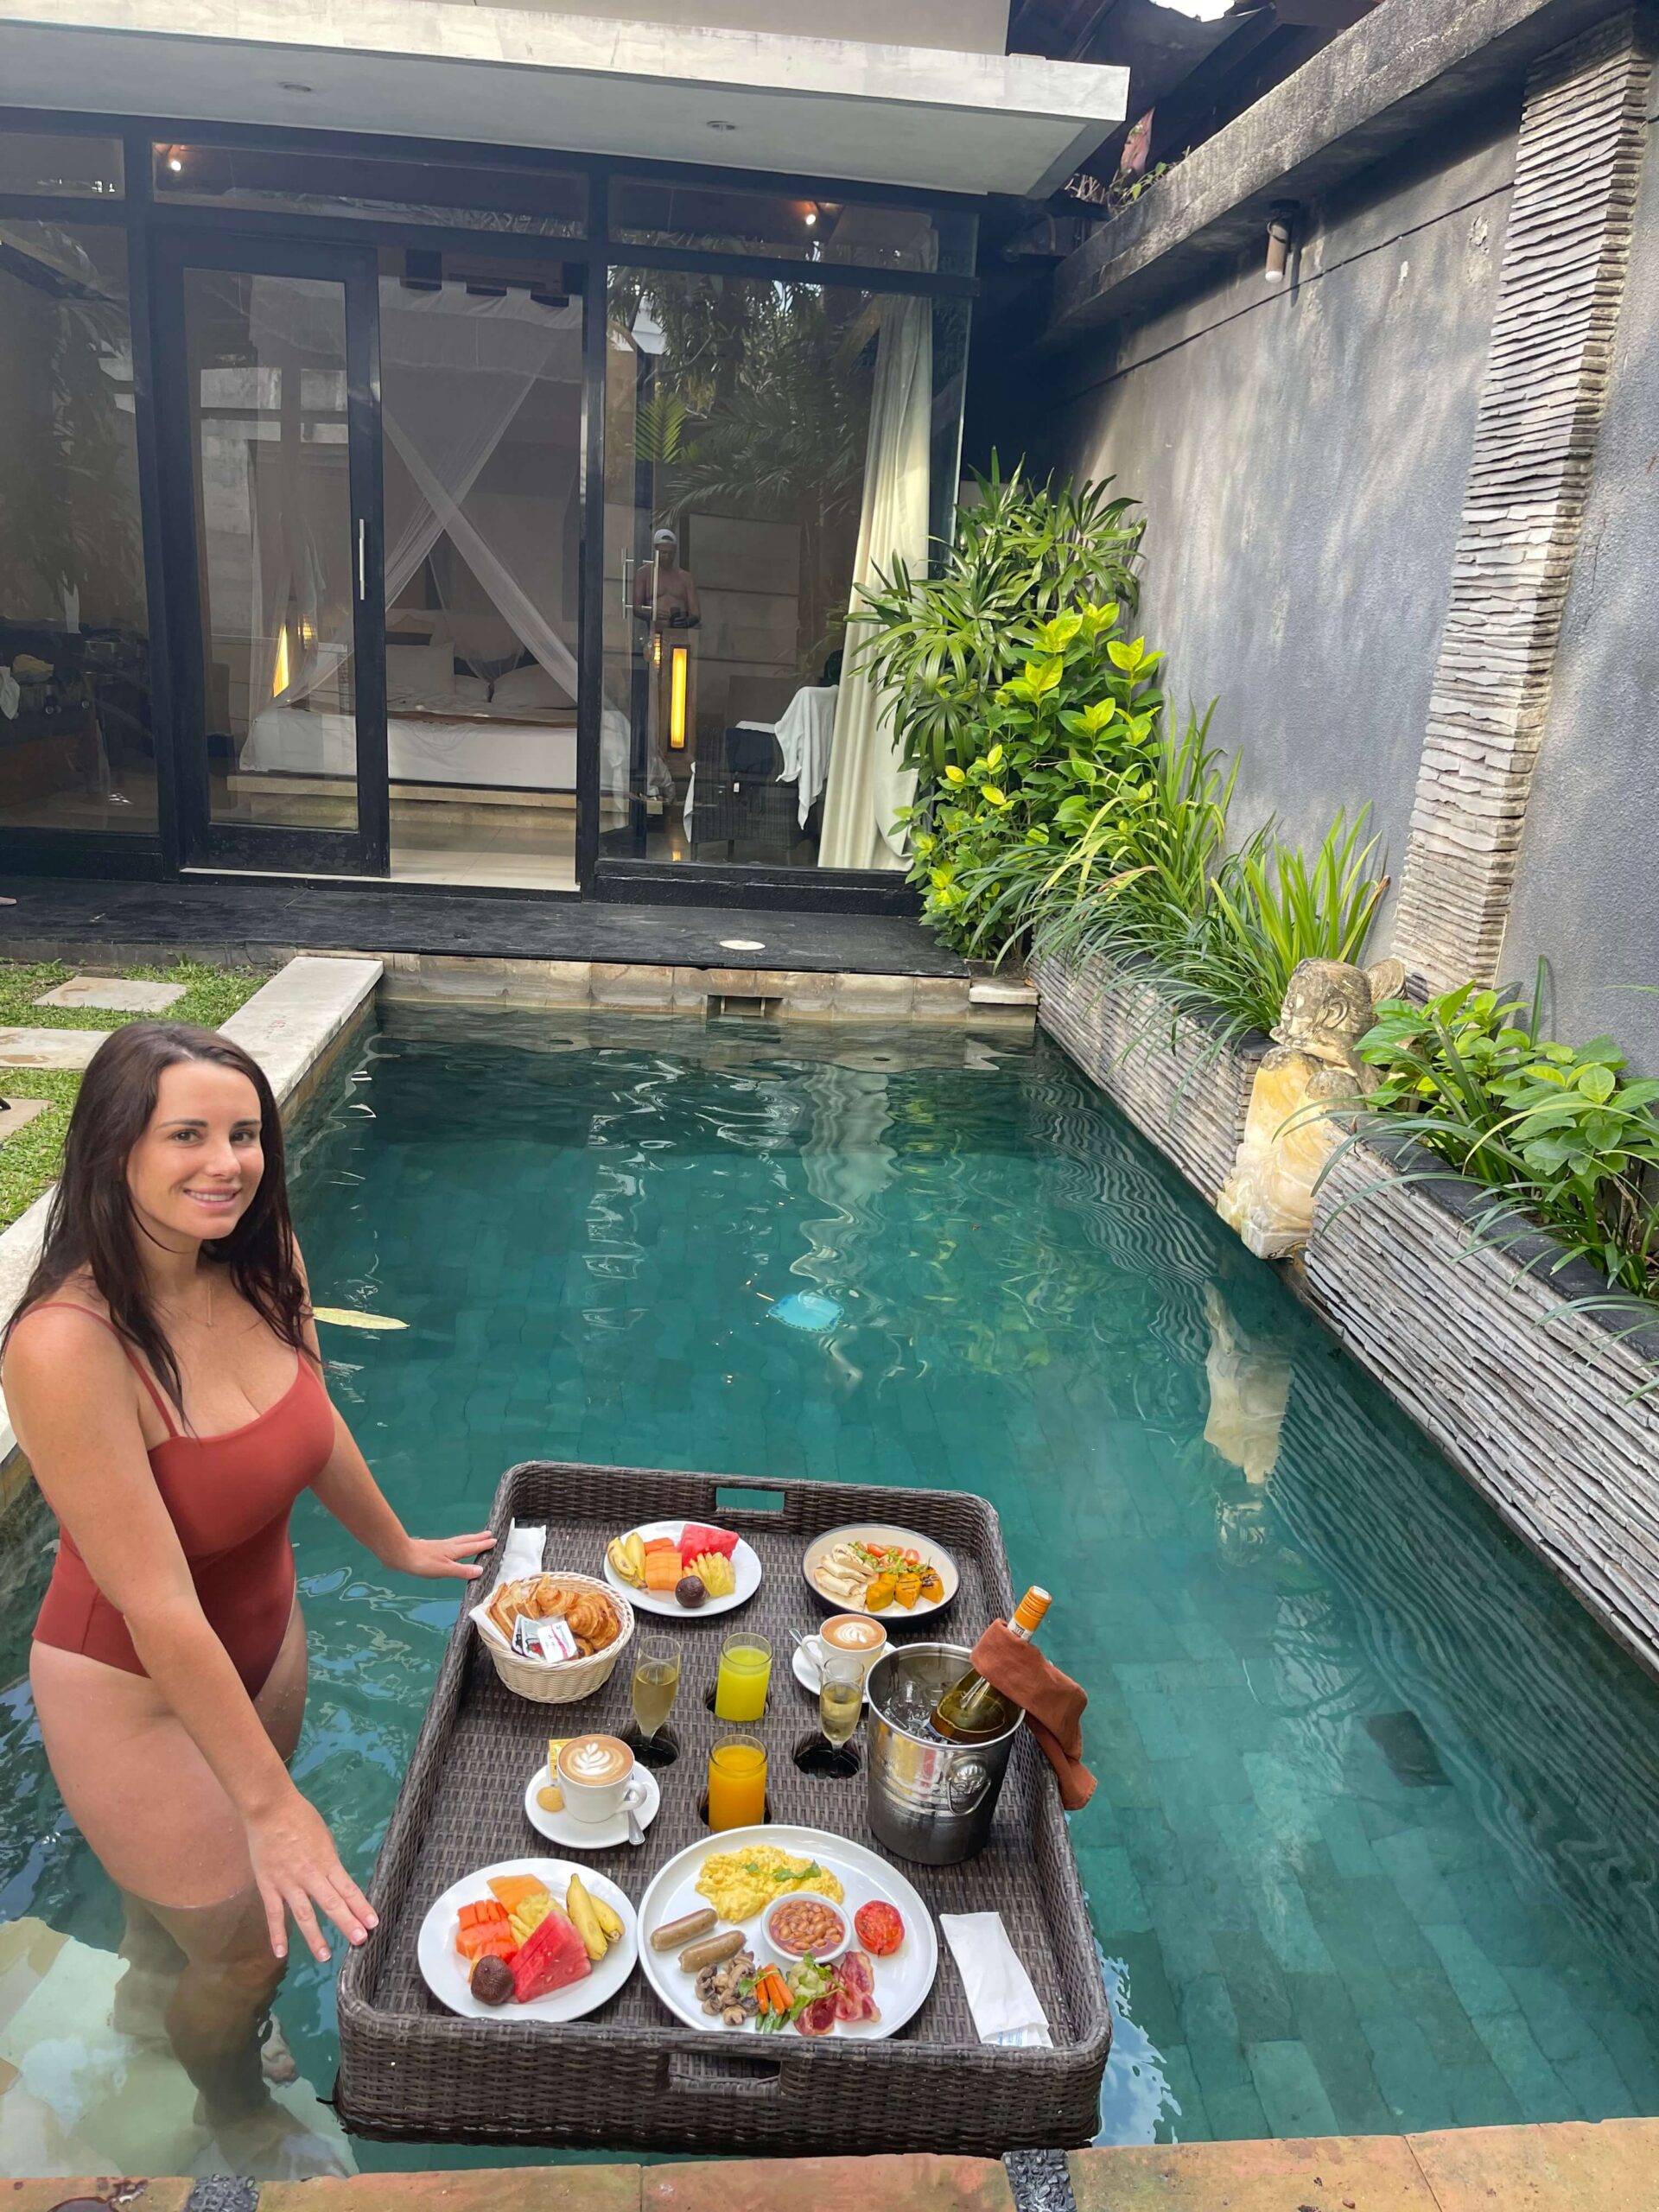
x=1281 y=231
x=172 y=160
x=810 y=219
x=676 y=674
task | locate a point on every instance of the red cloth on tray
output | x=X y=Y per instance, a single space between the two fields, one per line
x=1053 y=1706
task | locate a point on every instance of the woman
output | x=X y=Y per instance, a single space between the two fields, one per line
x=164 y=1379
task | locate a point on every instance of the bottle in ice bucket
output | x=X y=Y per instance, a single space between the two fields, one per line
x=971 y=1711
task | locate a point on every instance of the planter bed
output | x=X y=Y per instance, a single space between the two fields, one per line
x=1534 y=1412
x=1174 y=1074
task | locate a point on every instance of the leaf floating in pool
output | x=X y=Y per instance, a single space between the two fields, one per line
x=342 y=1317
x=806 y=1309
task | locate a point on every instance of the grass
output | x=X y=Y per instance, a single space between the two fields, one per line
x=28 y=1162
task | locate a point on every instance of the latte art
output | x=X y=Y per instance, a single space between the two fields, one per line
x=851 y=1632
x=596 y=1759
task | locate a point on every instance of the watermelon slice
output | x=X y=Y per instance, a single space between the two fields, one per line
x=695 y=1539
x=554 y=1955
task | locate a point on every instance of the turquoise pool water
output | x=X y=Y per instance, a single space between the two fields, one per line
x=1374 y=1847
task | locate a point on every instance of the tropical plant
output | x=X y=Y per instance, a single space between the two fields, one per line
x=945 y=645
x=1071 y=734
x=1554 y=1131
x=1273 y=909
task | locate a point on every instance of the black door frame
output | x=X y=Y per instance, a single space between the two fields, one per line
x=203 y=843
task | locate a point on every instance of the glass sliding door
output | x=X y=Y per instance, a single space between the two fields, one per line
x=270 y=406
x=772 y=445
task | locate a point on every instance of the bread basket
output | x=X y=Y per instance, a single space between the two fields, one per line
x=562 y=1682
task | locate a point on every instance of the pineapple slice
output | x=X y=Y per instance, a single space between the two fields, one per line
x=715 y=1572
x=530 y=1917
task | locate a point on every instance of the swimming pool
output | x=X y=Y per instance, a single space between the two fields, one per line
x=1374 y=1848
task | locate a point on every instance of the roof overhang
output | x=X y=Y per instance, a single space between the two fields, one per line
x=516 y=76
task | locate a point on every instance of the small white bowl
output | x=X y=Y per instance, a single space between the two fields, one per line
x=823 y=1953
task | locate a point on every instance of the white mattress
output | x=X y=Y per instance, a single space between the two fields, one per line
x=420 y=749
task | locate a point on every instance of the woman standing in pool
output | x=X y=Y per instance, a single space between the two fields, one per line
x=163 y=1375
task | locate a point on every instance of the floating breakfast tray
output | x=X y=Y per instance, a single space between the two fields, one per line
x=629 y=2074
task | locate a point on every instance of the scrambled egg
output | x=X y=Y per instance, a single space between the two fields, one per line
x=739 y=1883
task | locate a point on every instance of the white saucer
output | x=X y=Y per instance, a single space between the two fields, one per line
x=589 y=1835
x=807 y=1674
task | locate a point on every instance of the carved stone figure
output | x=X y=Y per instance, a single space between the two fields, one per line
x=1268 y=1198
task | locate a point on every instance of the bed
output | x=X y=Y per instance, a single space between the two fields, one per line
x=422 y=746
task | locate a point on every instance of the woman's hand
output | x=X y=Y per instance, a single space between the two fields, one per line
x=297 y=1869
x=434 y=1557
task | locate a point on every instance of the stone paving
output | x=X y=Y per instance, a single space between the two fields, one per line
x=49 y=1048
x=114 y=994
x=1612 y=2166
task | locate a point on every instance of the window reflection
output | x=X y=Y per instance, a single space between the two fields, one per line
x=75 y=745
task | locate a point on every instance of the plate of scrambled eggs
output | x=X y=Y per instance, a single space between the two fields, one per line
x=739 y=1883
x=742 y=1872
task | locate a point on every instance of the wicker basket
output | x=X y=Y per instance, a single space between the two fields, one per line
x=562 y=1682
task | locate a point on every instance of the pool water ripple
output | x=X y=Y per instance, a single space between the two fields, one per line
x=1375 y=1844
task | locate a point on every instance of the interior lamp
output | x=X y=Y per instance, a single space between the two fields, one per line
x=677 y=675
x=279 y=679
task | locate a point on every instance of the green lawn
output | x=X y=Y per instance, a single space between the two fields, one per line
x=29 y=1160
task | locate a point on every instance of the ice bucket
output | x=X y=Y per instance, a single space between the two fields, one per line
x=929 y=1800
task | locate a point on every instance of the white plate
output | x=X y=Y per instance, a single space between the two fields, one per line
x=589 y=1835
x=901 y=1982
x=874 y=1533
x=746 y=1565
x=806 y=1673
x=446 y=1971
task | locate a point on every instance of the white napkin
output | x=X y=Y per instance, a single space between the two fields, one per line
x=1000 y=1995
x=520 y=1555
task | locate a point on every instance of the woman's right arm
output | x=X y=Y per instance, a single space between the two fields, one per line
x=71 y=1394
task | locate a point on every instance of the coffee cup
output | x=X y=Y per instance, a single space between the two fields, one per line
x=847 y=1635
x=596 y=1775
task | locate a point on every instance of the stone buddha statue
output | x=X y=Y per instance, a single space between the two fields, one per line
x=1268 y=1198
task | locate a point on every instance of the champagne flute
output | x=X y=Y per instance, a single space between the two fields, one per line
x=841 y=1697
x=656 y=1684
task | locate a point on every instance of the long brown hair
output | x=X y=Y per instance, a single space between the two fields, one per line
x=92 y=1223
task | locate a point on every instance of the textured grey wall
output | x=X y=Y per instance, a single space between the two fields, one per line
x=1302 y=456
x=1587 y=890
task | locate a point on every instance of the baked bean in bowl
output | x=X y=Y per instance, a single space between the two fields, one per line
x=804 y=1922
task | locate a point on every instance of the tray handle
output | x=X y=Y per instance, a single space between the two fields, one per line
x=728 y=2074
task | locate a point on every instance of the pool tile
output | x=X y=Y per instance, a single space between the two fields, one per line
x=1479 y=1986
x=1539 y=2090
x=1293 y=2096
x=1116 y=1904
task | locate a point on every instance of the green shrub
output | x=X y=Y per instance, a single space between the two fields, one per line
x=1553 y=1131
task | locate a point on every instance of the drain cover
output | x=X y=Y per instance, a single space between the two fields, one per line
x=742 y=944
x=806 y=1309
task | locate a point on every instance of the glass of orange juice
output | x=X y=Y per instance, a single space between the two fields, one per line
x=737 y=1783
x=745 y=1671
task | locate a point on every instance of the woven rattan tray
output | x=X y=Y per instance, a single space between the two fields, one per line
x=630 y=2076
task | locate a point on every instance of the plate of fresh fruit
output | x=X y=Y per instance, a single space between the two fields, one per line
x=682 y=1566
x=529 y=1939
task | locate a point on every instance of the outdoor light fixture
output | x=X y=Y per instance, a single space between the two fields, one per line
x=173 y=159
x=677 y=699
x=811 y=217
x=1281 y=229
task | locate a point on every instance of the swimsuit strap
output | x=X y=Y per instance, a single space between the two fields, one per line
x=69 y=1306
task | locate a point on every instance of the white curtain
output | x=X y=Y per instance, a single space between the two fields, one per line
x=866 y=786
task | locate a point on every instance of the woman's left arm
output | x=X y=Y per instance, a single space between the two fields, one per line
x=350 y=1492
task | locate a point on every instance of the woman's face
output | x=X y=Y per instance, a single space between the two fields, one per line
x=197 y=1165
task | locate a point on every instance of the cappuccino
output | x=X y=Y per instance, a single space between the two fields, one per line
x=594 y=1760
x=854 y=1633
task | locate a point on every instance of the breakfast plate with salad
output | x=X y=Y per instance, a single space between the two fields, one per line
x=528 y=1939
x=682 y=1566
x=891 y=1574
x=778 y=1930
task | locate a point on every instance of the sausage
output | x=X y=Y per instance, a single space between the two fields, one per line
x=673 y=1933
x=711 y=1954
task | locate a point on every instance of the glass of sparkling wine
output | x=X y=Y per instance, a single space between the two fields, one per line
x=656 y=1683
x=841 y=1696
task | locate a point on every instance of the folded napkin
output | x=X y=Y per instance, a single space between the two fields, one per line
x=1053 y=1706
x=1000 y=1995
x=521 y=1554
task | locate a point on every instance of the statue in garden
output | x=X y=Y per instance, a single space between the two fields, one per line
x=1268 y=1198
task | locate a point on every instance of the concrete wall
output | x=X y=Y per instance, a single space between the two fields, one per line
x=958 y=26
x=1587 y=891
x=1301 y=454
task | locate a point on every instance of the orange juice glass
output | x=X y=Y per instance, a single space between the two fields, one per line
x=737 y=1783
